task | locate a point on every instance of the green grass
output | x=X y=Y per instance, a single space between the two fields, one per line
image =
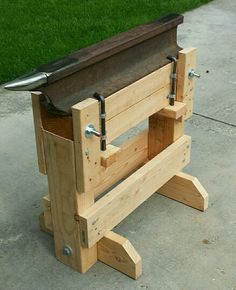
x=34 y=32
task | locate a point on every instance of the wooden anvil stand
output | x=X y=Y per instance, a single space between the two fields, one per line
x=78 y=171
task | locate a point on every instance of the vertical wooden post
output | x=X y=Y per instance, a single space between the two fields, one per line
x=163 y=131
x=38 y=129
x=87 y=150
x=185 y=86
x=65 y=203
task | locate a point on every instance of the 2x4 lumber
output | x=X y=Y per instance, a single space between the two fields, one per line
x=187 y=189
x=109 y=156
x=138 y=112
x=174 y=112
x=87 y=150
x=185 y=86
x=163 y=131
x=133 y=154
x=47 y=212
x=137 y=91
x=43 y=225
x=111 y=209
x=66 y=202
x=36 y=98
x=117 y=252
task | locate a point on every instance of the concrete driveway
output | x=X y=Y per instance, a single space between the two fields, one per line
x=181 y=248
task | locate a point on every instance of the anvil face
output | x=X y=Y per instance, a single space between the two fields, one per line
x=105 y=67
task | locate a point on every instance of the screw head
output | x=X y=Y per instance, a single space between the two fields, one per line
x=67 y=250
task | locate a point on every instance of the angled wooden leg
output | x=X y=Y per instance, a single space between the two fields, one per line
x=187 y=189
x=117 y=252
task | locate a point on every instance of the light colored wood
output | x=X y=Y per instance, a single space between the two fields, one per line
x=163 y=131
x=113 y=250
x=47 y=212
x=87 y=150
x=43 y=226
x=185 y=87
x=110 y=156
x=111 y=209
x=174 y=112
x=36 y=97
x=137 y=113
x=117 y=252
x=66 y=202
x=187 y=189
x=137 y=91
x=133 y=154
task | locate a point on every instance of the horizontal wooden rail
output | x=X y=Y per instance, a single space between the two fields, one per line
x=111 y=209
x=137 y=91
x=133 y=154
x=137 y=113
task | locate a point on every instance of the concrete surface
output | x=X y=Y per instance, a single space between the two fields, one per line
x=181 y=248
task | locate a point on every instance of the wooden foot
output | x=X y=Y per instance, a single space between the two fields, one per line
x=113 y=250
x=187 y=189
x=117 y=252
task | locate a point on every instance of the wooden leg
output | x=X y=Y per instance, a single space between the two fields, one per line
x=163 y=131
x=186 y=189
x=113 y=250
x=42 y=224
x=65 y=203
x=117 y=252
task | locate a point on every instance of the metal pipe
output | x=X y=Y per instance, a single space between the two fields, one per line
x=172 y=95
x=101 y=99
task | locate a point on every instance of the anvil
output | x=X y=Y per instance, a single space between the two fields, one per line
x=105 y=67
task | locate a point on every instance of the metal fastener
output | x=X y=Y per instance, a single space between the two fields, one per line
x=67 y=250
x=90 y=131
x=193 y=74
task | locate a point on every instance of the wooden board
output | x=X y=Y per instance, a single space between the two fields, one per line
x=47 y=212
x=137 y=91
x=38 y=127
x=87 y=150
x=66 y=202
x=174 y=112
x=137 y=113
x=163 y=131
x=185 y=86
x=133 y=154
x=186 y=189
x=117 y=252
x=111 y=209
x=113 y=250
x=110 y=156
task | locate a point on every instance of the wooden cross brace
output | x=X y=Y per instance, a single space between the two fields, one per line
x=78 y=172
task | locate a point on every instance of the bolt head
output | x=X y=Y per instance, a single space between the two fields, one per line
x=67 y=250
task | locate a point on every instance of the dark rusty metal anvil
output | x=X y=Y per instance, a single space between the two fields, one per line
x=105 y=67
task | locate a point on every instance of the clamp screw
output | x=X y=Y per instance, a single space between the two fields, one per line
x=193 y=74
x=67 y=250
x=90 y=131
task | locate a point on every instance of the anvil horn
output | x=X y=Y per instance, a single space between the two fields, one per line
x=28 y=82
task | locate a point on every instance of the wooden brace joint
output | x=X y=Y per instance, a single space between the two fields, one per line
x=109 y=156
x=174 y=112
x=106 y=213
x=186 y=189
x=113 y=249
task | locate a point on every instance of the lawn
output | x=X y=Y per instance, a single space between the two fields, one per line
x=34 y=32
